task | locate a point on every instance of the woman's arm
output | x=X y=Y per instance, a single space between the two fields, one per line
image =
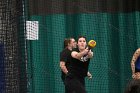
x=63 y=67
x=78 y=55
x=134 y=58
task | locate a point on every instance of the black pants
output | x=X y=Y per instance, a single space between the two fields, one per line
x=66 y=89
x=75 y=84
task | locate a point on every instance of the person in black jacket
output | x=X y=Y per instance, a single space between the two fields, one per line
x=69 y=44
x=78 y=67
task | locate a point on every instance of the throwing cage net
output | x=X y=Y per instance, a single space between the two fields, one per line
x=32 y=34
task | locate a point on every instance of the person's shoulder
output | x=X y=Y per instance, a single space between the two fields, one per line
x=62 y=51
x=66 y=50
x=137 y=51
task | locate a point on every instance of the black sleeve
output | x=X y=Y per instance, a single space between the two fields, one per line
x=75 y=49
x=63 y=56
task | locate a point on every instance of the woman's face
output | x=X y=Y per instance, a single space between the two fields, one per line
x=82 y=43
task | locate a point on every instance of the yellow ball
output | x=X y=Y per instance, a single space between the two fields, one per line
x=92 y=43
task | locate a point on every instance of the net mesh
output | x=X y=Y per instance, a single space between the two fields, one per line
x=31 y=65
x=12 y=47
